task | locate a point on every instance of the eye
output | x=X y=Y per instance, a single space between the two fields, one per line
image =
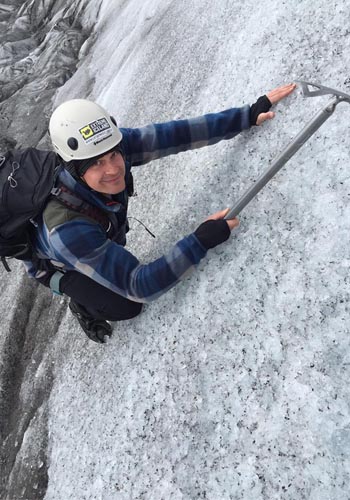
x=97 y=164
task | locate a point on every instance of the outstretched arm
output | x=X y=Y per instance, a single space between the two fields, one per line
x=114 y=267
x=154 y=141
x=142 y=145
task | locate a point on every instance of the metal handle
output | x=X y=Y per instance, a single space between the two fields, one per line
x=286 y=154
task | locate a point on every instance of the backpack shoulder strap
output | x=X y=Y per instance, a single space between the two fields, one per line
x=72 y=201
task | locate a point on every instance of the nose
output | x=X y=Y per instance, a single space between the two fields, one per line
x=111 y=166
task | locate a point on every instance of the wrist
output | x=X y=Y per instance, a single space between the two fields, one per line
x=262 y=105
x=212 y=233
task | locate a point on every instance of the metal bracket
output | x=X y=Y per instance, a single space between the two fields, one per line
x=321 y=90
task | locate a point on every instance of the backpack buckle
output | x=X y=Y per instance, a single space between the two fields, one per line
x=55 y=191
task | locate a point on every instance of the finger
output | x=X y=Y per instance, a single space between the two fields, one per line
x=276 y=96
x=280 y=93
x=265 y=116
x=284 y=89
x=232 y=223
x=219 y=215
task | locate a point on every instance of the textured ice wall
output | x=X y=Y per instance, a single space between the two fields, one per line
x=235 y=384
x=40 y=45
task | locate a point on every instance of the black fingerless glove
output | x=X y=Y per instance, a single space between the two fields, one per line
x=213 y=232
x=262 y=105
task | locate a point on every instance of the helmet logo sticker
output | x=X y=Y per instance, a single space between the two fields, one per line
x=96 y=131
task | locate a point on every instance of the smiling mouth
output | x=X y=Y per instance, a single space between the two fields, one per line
x=113 y=180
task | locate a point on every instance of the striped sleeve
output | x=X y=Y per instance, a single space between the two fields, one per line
x=116 y=268
x=163 y=139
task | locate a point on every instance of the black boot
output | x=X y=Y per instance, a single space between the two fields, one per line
x=95 y=329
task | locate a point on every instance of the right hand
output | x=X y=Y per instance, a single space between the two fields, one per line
x=215 y=229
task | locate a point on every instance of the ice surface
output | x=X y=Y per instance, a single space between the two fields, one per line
x=235 y=384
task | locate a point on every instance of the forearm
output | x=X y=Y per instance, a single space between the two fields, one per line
x=114 y=267
x=163 y=139
x=150 y=281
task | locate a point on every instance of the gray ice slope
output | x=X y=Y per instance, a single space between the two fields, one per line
x=234 y=385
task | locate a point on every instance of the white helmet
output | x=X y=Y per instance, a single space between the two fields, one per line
x=81 y=129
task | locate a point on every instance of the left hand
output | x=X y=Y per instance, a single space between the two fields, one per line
x=274 y=97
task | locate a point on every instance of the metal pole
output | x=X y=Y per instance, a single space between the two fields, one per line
x=286 y=154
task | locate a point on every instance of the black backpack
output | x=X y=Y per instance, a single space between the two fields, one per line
x=26 y=180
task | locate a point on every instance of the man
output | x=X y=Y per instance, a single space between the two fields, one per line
x=80 y=236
